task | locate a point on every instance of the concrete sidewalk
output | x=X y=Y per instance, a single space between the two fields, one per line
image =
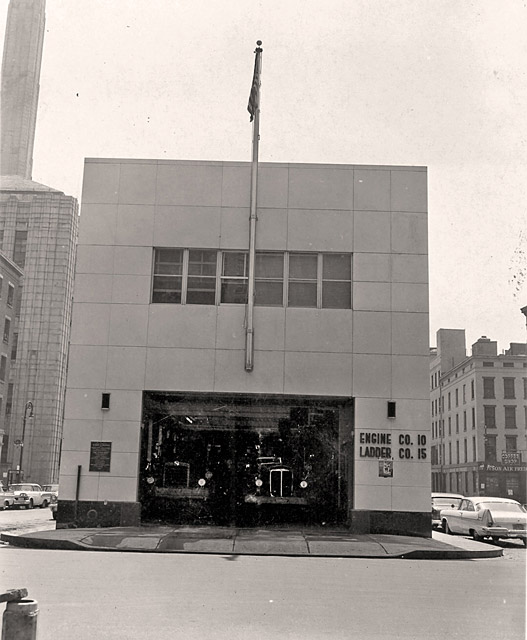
x=271 y=541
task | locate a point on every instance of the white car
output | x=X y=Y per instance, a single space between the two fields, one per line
x=29 y=495
x=442 y=501
x=482 y=517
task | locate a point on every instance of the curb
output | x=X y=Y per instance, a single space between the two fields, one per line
x=411 y=554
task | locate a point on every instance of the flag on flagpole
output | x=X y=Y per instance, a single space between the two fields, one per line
x=254 y=97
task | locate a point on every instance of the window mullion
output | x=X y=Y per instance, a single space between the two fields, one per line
x=184 y=277
x=286 y=279
x=219 y=273
x=319 y=281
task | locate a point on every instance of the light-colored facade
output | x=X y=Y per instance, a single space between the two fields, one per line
x=479 y=417
x=148 y=327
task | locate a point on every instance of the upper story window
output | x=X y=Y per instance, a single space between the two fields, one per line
x=509 y=365
x=168 y=275
x=269 y=279
x=3 y=367
x=510 y=417
x=489 y=412
x=10 y=295
x=7 y=329
x=19 y=251
x=201 y=281
x=336 y=281
x=488 y=388
x=508 y=388
x=488 y=364
x=303 y=271
x=234 y=277
x=208 y=276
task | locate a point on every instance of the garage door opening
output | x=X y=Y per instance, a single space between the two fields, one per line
x=244 y=461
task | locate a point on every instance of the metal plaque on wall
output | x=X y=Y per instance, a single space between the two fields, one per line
x=100 y=456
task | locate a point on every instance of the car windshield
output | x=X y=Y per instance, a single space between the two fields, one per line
x=501 y=506
x=446 y=502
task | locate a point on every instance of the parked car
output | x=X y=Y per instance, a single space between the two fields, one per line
x=7 y=499
x=51 y=489
x=53 y=505
x=443 y=501
x=29 y=495
x=484 y=517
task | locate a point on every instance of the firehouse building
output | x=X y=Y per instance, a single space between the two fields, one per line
x=169 y=418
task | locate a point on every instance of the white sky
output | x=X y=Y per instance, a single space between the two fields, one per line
x=440 y=83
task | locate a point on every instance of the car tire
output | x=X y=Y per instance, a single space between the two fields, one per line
x=44 y=504
x=476 y=536
x=495 y=539
x=446 y=528
x=524 y=540
x=30 y=505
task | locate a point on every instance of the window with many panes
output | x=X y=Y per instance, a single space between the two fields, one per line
x=511 y=443
x=508 y=388
x=201 y=280
x=168 y=275
x=510 y=417
x=208 y=276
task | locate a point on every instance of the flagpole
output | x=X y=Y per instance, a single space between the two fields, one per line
x=254 y=110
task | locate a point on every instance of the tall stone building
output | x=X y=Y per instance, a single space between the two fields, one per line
x=38 y=228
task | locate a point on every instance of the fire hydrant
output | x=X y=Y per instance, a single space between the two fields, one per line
x=20 y=616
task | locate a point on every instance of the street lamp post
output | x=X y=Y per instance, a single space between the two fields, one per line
x=28 y=413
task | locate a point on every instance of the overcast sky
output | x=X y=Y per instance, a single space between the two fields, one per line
x=440 y=83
